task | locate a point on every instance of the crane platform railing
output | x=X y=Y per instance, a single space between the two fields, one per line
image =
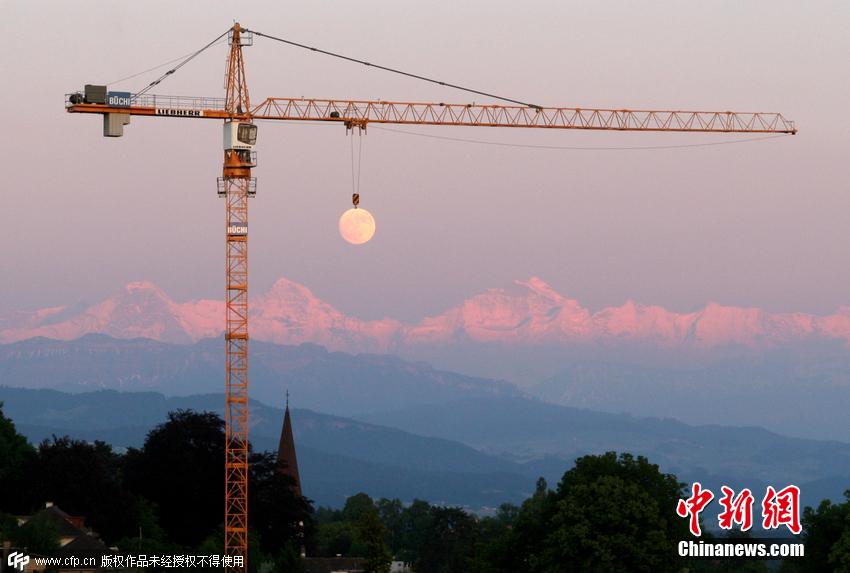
x=195 y=103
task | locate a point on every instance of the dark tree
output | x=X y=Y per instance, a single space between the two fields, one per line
x=335 y=538
x=148 y=537
x=16 y=455
x=609 y=513
x=280 y=516
x=390 y=512
x=523 y=547
x=179 y=469
x=289 y=560
x=450 y=542
x=826 y=534
x=38 y=535
x=8 y=528
x=357 y=505
x=361 y=528
x=614 y=513
x=416 y=526
x=83 y=479
x=371 y=534
x=507 y=514
x=495 y=549
x=730 y=565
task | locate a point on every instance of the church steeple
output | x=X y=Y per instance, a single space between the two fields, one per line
x=287 y=462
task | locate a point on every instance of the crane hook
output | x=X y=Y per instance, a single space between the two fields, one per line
x=355 y=199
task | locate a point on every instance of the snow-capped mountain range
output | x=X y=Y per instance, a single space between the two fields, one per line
x=527 y=313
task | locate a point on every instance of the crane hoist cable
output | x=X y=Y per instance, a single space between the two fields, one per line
x=394 y=70
x=355 y=173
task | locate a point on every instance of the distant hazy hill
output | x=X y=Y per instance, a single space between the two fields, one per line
x=332 y=382
x=338 y=457
x=539 y=433
x=472 y=452
x=801 y=390
x=789 y=372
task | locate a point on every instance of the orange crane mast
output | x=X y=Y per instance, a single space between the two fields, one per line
x=236 y=186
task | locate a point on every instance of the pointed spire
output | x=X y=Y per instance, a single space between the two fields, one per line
x=287 y=462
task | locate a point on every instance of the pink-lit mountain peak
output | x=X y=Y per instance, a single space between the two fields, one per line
x=540 y=287
x=142 y=297
x=284 y=287
x=525 y=312
x=140 y=309
x=288 y=300
x=531 y=293
x=143 y=286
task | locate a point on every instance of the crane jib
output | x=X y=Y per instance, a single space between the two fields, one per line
x=472 y=115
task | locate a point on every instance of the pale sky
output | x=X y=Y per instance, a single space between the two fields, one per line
x=751 y=224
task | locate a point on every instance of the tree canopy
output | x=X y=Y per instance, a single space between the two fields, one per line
x=609 y=512
x=16 y=456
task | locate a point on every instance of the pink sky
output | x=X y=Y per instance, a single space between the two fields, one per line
x=756 y=224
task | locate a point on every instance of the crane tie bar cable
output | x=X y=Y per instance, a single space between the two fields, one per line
x=395 y=71
x=180 y=65
x=162 y=65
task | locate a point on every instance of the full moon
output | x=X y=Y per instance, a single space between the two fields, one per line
x=357 y=226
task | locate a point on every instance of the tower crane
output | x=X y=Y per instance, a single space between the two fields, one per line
x=236 y=185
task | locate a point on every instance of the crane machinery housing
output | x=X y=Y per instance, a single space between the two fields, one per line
x=236 y=185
